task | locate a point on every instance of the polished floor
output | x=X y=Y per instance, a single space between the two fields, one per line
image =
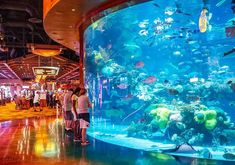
x=9 y=112
x=42 y=140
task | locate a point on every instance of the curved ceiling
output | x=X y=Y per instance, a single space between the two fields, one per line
x=64 y=18
x=21 y=26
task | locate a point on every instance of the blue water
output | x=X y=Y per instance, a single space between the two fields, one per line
x=150 y=69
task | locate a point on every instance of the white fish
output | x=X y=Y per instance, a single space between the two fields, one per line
x=143 y=24
x=221 y=72
x=198 y=61
x=220 y=3
x=194 y=79
x=181 y=63
x=157 y=21
x=192 y=42
x=224 y=67
x=177 y=53
x=169 y=11
x=169 y=20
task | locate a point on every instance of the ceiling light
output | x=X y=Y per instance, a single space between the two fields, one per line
x=45 y=50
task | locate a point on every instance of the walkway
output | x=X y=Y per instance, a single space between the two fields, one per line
x=43 y=141
x=8 y=112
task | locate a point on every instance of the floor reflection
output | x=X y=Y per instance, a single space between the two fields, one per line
x=43 y=141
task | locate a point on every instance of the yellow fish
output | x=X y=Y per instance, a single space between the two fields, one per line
x=203 y=21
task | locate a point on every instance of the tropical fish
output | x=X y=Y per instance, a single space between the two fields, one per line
x=150 y=80
x=143 y=24
x=229 y=82
x=204 y=20
x=198 y=61
x=155 y=4
x=139 y=64
x=142 y=120
x=232 y=104
x=173 y=91
x=230 y=31
x=177 y=53
x=224 y=67
x=229 y=52
x=143 y=32
x=169 y=11
x=166 y=82
x=229 y=156
x=122 y=86
x=109 y=46
x=169 y=20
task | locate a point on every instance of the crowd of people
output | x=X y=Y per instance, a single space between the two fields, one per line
x=73 y=103
x=36 y=99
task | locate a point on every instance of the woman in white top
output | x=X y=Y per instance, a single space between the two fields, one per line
x=82 y=113
x=83 y=105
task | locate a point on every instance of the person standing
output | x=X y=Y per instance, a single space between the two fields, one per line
x=76 y=125
x=67 y=107
x=42 y=100
x=83 y=104
x=36 y=101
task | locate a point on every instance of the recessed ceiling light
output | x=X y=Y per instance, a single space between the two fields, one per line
x=73 y=9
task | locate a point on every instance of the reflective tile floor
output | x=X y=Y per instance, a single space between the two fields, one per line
x=9 y=112
x=43 y=141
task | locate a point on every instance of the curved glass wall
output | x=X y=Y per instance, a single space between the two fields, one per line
x=161 y=75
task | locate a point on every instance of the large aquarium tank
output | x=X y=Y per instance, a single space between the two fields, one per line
x=161 y=77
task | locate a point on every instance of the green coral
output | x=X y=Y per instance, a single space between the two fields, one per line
x=209 y=117
x=161 y=116
x=210 y=114
x=199 y=117
x=210 y=124
x=154 y=106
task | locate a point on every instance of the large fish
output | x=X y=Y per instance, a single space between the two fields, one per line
x=229 y=52
x=203 y=21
